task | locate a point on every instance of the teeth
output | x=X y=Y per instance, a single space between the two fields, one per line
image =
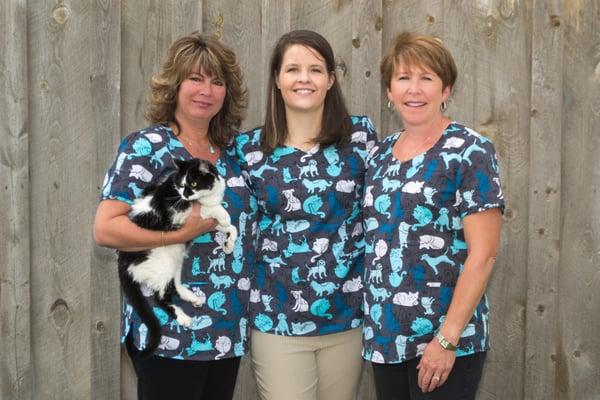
x=415 y=103
x=303 y=91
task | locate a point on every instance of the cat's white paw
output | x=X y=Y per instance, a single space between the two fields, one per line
x=184 y=321
x=197 y=301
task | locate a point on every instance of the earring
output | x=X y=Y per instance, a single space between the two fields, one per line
x=443 y=106
x=390 y=105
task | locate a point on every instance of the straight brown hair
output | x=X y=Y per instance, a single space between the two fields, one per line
x=335 y=122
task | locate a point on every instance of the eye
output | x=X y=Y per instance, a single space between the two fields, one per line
x=403 y=77
x=193 y=184
x=195 y=78
x=317 y=70
x=291 y=69
x=427 y=78
x=218 y=82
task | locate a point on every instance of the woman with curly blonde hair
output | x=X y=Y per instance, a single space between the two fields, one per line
x=196 y=104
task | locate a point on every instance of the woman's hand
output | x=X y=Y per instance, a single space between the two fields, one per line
x=435 y=366
x=193 y=227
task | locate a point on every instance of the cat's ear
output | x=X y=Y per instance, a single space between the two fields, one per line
x=180 y=164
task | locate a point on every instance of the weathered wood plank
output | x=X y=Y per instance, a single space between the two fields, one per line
x=542 y=339
x=502 y=115
x=105 y=78
x=16 y=370
x=367 y=24
x=579 y=281
x=61 y=157
x=275 y=22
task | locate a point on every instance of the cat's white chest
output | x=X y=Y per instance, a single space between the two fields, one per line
x=162 y=264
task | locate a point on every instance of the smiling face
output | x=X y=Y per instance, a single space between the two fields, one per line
x=200 y=97
x=303 y=80
x=417 y=94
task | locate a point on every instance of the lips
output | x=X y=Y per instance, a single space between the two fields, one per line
x=415 y=103
x=202 y=104
x=304 y=91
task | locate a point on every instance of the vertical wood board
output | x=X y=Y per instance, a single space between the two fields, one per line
x=16 y=373
x=542 y=347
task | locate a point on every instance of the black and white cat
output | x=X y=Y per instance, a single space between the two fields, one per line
x=157 y=271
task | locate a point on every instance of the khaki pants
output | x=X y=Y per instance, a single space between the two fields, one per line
x=324 y=367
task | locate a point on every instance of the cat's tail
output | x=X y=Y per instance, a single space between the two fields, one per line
x=136 y=299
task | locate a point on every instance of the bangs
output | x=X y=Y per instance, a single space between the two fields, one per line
x=205 y=60
x=410 y=59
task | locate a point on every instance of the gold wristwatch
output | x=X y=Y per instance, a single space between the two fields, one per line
x=445 y=343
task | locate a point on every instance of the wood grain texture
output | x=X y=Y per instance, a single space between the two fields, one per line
x=578 y=360
x=16 y=372
x=61 y=160
x=542 y=341
x=367 y=24
x=275 y=21
x=75 y=75
x=105 y=82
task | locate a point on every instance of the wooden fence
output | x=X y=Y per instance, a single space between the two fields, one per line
x=73 y=75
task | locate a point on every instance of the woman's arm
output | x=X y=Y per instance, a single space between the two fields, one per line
x=114 y=229
x=482 y=234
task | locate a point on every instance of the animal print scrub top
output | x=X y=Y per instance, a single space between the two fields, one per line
x=219 y=328
x=415 y=245
x=310 y=249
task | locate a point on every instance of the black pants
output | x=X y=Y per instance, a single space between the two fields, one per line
x=400 y=381
x=161 y=378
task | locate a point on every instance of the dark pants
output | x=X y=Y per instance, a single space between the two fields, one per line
x=400 y=381
x=161 y=378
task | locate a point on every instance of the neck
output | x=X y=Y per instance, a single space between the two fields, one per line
x=196 y=130
x=432 y=128
x=303 y=128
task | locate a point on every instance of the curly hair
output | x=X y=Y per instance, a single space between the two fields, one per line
x=196 y=52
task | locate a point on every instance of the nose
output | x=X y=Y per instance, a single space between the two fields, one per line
x=415 y=86
x=304 y=75
x=205 y=89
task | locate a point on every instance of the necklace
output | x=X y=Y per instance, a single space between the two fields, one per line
x=211 y=149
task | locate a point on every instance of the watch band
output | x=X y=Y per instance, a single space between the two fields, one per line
x=445 y=343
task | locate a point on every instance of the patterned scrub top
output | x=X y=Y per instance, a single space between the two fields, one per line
x=415 y=244
x=310 y=236
x=219 y=328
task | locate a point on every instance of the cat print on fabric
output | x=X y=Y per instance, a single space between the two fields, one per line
x=157 y=272
x=415 y=243
x=309 y=273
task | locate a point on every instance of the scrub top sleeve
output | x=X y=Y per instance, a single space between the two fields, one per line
x=132 y=171
x=479 y=183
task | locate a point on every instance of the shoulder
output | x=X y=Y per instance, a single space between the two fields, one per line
x=361 y=123
x=462 y=137
x=362 y=130
x=146 y=140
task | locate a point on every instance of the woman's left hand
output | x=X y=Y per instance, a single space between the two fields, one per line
x=435 y=366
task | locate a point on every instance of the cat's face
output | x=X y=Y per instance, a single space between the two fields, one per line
x=198 y=178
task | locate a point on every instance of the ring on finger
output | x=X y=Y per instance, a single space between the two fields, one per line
x=435 y=378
